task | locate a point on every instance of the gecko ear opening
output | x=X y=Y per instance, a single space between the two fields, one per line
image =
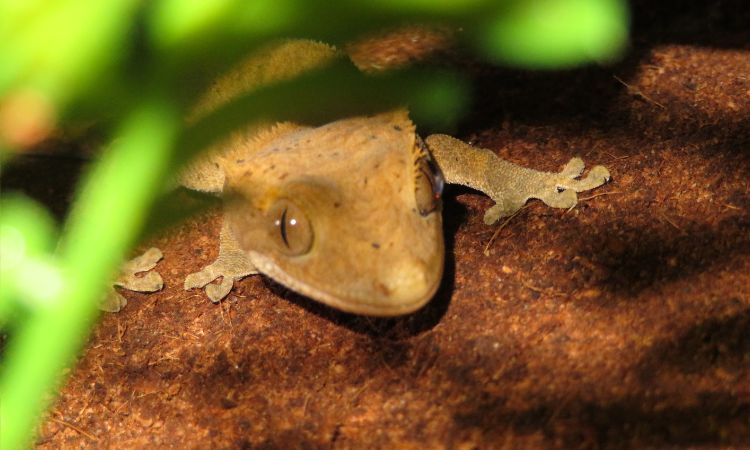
x=291 y=230
x=429 y=180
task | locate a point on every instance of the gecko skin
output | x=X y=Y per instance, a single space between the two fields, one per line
x=348 y=213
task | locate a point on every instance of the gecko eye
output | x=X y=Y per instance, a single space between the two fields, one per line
x=429 y=182
x=291 y=231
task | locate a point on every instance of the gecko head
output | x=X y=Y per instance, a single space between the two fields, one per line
x=347 y=214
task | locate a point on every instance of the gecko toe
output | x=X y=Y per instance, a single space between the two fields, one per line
x=561 y=199
x=144 y=262
x=128 y=279
x=150 y=282
x=112 y=301
x=573 y=168
x=493 y=214
x=199 y=279
x=600 y=173
x=216 y=292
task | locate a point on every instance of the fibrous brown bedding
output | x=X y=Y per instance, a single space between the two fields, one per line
x=624 y=322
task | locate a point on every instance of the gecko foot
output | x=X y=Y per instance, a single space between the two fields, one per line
x=597 y=176
x=228 y=274
x=128 y=279
x=509 y=184
x=502 y=209
x=558 y=190
x=231 y=265
x=204 y=278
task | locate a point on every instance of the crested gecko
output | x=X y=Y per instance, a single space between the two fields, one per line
x=349 y=213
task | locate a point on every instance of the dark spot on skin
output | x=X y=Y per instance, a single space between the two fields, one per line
x=382 y=288
x=336 y=204
x=240 y=161
x=320 y=155
x=377 y=165
x=335 y=154
x=397 y=128
x=365 y=180
x=216 y=165
x=269 y=169
x=375 y=245
x=283 y=175
x=373 y=137
x=275 y=149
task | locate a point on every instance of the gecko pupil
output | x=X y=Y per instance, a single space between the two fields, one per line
x=291 y=230
x=283 y=227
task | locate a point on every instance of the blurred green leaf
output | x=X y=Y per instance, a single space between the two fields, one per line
x=556 y=33
x=339 y=90
x=29 y=275
x=106 y=218
x=63 y=46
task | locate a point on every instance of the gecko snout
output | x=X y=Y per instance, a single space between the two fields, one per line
x=410 y=281
x=405 y=277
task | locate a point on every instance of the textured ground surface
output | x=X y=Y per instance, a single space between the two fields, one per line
x=624 y=322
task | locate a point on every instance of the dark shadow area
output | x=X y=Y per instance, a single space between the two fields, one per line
x=50 y=179
x=635 y=259
x=654 y=414
x=718 y=342
x=713 y=23
x=635 y=422
x=590 y=98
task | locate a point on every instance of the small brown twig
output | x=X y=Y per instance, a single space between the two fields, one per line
x=551 y=292
x=499 y=229
x=636 y=92
x=582 y=199
x=615 y=157
x=669 y=221
x=228 y=319
x=730 y=206
x=75 y=428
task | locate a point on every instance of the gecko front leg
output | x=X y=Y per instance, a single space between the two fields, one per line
x=231 y=264
x=508 y=184
x=150 y=282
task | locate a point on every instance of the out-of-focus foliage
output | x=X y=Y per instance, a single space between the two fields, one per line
x=137 y=66
x=556 y=33
x=27 y=270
